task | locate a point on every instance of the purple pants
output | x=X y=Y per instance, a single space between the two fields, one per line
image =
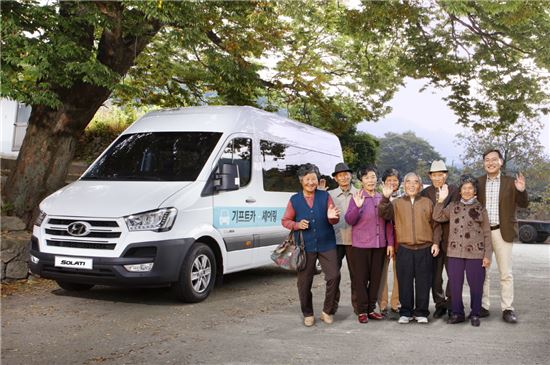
x=475 y=274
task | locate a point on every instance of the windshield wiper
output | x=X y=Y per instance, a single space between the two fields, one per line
x=88 y=177
x=117 y=177
x=137 y=177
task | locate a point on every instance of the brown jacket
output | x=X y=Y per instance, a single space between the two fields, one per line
x=470 y=232
x=441 y=230
x=413 y=222
x=509 y=199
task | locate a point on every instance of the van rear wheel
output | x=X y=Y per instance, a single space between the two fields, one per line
x=74 y=286
x=197 y=276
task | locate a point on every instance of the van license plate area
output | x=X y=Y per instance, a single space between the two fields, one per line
x=74 y=262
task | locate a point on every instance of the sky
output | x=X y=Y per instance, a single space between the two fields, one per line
x=430 y=118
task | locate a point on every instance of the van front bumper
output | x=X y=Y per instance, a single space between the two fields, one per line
x=167 y=257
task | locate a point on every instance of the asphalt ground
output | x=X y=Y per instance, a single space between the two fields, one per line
x=254 y=318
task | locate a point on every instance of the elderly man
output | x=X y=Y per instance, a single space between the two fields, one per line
x=501 y=195
x=438 y=176
x=341 y=197
x=412 y=216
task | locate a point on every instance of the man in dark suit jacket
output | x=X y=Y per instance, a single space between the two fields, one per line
x=501 y=195
x=438 y=175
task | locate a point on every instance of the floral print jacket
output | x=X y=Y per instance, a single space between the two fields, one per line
x=470 y=232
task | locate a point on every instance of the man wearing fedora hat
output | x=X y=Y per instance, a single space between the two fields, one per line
x=341 y=197
x=438 y=176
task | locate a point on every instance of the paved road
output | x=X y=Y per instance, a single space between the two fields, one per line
x=254 y=318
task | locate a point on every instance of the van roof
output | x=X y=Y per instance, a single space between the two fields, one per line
x=234 y=119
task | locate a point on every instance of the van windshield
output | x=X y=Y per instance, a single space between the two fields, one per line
x=155 y=156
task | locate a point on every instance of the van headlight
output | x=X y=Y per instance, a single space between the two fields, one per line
x=40 y=219
x=160 y=220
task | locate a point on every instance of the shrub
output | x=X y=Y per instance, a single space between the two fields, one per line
x=104 y=128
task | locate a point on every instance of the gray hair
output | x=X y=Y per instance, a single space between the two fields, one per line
x=413 y=174
x=408 y=175
x=308 y=168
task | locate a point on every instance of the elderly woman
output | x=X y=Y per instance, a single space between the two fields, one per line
x=371 y=241
x=470 y=246
x=313 y=212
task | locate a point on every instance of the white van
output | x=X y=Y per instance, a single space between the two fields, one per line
x=180 y=198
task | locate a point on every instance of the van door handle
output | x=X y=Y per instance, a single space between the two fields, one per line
x=250 y=200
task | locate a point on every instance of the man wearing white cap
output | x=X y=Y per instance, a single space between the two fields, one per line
x=438 y=175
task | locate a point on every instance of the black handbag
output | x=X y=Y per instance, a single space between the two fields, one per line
x=289 y=254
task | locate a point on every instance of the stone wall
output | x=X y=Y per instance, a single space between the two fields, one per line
x=14 y=253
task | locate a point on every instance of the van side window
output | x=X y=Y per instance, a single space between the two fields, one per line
x=239 y=152
x=280 y=164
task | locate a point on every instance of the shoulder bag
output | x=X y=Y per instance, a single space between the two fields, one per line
x=289 y=254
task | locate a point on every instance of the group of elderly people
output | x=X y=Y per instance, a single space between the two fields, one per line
x=421 y=231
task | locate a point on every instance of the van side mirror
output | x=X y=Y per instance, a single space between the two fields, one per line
x=227 y=177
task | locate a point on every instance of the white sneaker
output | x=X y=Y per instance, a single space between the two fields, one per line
x=422 y=319
x=404 y=319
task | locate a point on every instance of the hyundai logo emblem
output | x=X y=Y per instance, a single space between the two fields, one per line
x=79 y=229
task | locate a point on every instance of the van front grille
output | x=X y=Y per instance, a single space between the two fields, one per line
x=93 y=223
x=101 y=234
x=98 y=273
x=59 y=232
x=82 y=244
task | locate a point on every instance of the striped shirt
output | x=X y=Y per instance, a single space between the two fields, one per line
x=492 y=190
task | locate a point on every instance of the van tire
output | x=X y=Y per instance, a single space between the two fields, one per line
x=67 y=285
x=197 y=275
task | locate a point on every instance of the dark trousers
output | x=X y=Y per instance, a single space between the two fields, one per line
x=341 y=252
x=328 y=261
x=438 y=294
x=475 y=274
x=414 y=273
x=367 y=266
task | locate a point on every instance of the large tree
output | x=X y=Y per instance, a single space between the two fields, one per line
x=407 y=153
x=66 y=58
x=327 y=64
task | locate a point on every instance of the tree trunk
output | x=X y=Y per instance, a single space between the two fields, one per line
x=46 y=154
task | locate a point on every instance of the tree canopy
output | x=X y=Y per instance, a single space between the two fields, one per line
x=406 y=152
x=329 y=64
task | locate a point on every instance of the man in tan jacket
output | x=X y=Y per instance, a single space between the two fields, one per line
x=341 y=197
x=501 y=195
x=412 y=216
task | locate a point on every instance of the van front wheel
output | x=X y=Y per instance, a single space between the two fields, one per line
x=197 y=276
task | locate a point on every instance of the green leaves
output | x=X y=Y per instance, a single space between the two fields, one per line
x=329 y=65
x=405 y=152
